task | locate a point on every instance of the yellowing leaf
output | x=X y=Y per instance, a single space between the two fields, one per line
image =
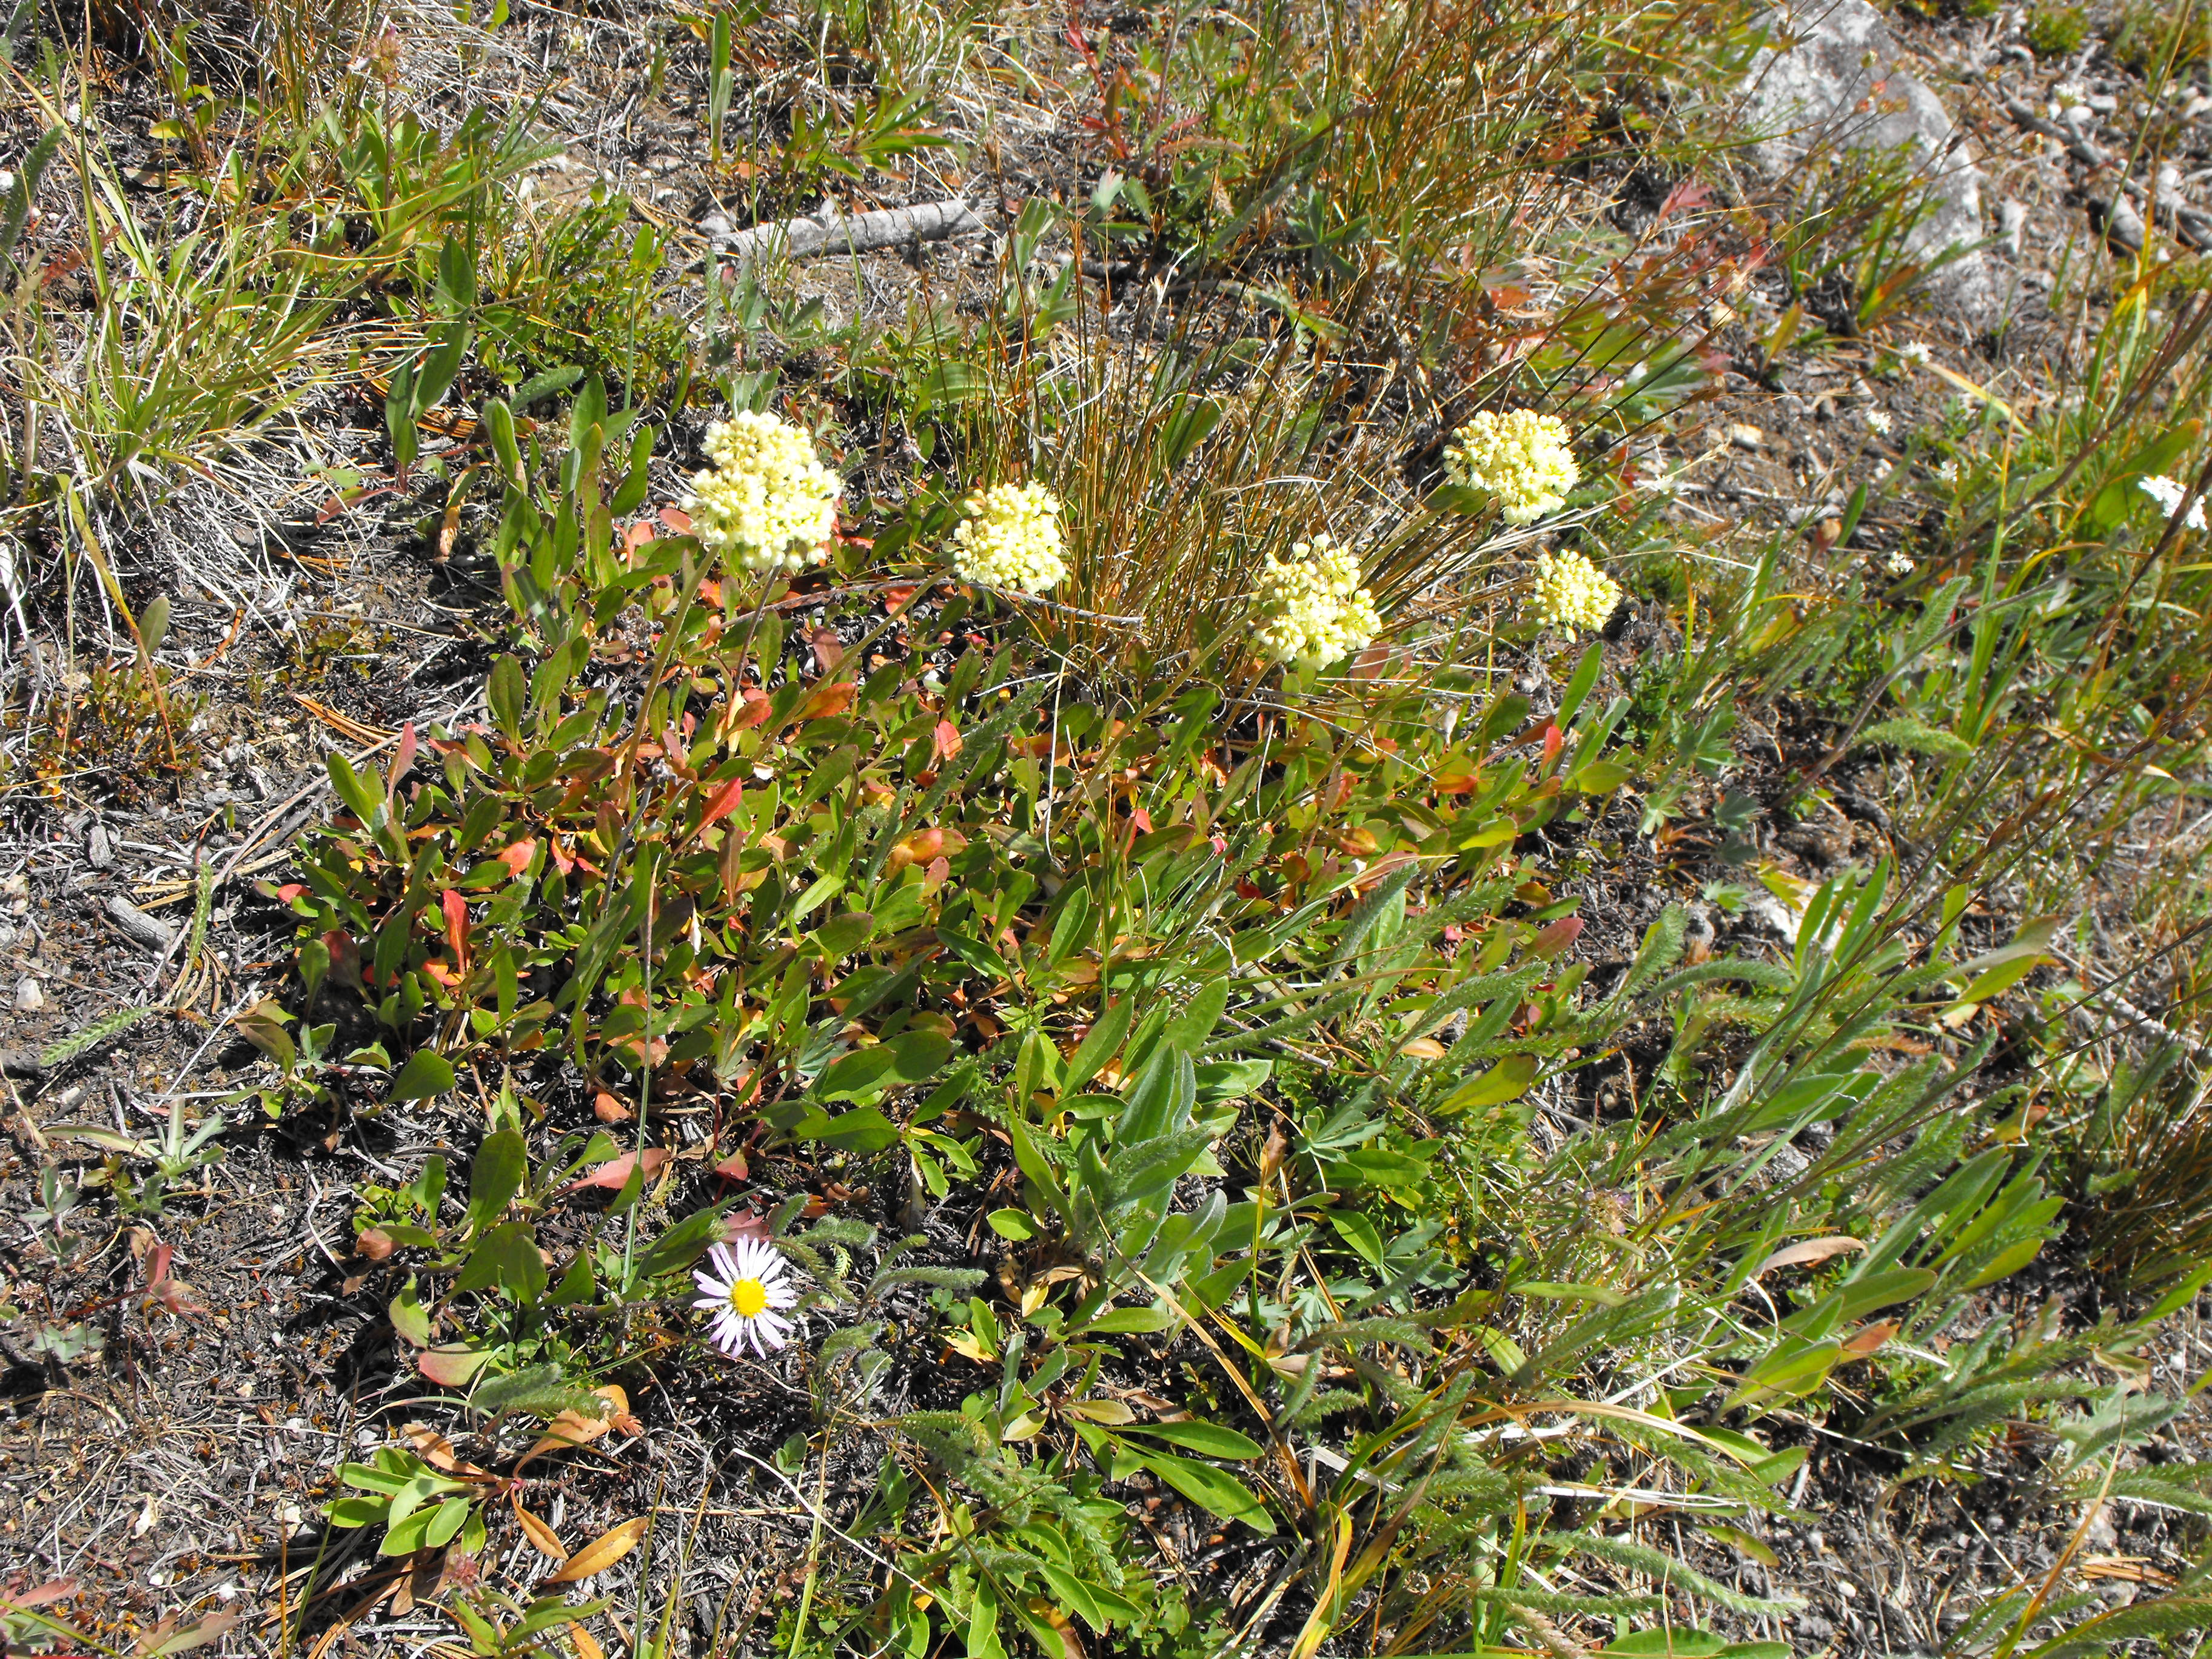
x=602 y=1551
x=542 y=1538
x=1807 y=1250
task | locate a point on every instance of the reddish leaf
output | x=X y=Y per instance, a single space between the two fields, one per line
x=1556 y=937
x=345 y=959
x=751 y=712
x=677 y=520
x=726 y=800
x=451 y=1364
x=613 y=1174
x=829 y=649
x=1554 y=741
x=456 y=927
x=404 y=760
x=517 y=858
x=734 y=1167
x=831 y=697
x=1864 y=1340
x=58 y=1589
x=608 y=1108
x=943 y=742
x=289 y=891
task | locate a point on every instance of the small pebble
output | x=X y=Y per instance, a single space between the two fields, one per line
x=29 y=998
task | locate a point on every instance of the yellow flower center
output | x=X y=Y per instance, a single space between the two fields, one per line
x=750 y=1298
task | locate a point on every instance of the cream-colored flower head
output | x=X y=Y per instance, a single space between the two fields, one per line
x=768 y=503
x=1316 y=611
x=1572 y=592
x=1520 y=456
x=1011 y=538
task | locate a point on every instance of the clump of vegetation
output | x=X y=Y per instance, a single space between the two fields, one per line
x=2057 y=31
x=1195 y=958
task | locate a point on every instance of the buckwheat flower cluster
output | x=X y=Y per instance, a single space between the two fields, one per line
x=1011 y=538
x=1316 y=611
x=769 y=501
x=1520 y=456
x=1915 y=354
x=1572 y=592
x=2168 y=494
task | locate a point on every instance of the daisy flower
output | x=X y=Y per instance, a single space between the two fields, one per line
x=750 y=1282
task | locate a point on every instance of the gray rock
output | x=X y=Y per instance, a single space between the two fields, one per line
x=29 y=998
x=1834 y=78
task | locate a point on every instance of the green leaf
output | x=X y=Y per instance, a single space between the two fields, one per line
x=1189 y=1030
x=348 y=1512
x=1357 y=1231
x=864 y=1130
x=1209 y=1439
x=506 y=1260
x=841 y=936
x=409 y=1318
x=1213 y=1490
x=1016 y=1224
x=503 y=692
x=426 y=1075
x=910 y=1058
x=502 y=1163
x=1507 y=1080
x=1601 y=777
x=1103 y=1042
x=1131 y=1322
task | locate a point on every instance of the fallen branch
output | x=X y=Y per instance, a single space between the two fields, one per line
x=862 y=233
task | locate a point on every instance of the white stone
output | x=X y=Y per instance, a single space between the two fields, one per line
x=1808 y=89
x=29 y=998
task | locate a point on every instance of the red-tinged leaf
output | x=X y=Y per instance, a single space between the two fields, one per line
x=345 y=959
x=289 y=891
x=1141 y=818
x=943 y=742
x=752 y=712
x=675 y=519
x=895 y=597
x=829 y=649
x=1556 y=936
x=451 y=1365
x=831 y=698
x=608 y=1108
x=456 y=909
x=1554 y=741
x=636 y=536
x=1687 y=196
x=57 y=1589
x=1864 y=1340
x=734 y=1167
x=726 y=800
x=1455 y=783
x=615 y=1172
x=517 y=858
x=404 y=760
x=167 y=1638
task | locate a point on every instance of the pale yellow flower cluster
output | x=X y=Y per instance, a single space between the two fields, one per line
x=769 y=501
x=1316 y=611
x=1011 y=538
x=1572 y=592
x=1520 y=456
